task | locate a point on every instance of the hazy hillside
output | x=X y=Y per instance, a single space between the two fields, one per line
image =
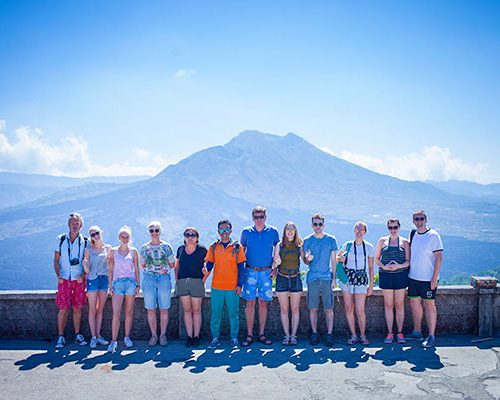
x=287 y=174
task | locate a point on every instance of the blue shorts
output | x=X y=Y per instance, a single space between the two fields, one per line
x=99 y=284
x=257 y=284
x=124 y=286
x=157 y=291
x=393 y=280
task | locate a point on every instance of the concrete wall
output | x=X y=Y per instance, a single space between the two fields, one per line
x=32 y=314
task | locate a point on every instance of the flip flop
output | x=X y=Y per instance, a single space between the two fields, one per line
x=248 y=341
x=264 y=340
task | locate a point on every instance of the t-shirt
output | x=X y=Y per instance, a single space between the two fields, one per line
x=157 y=257
x=260 y=245
x=321 y=249
x=225 y=272
x=76 y=251
x=190 y=265
x=422 y=257
x=352 y=256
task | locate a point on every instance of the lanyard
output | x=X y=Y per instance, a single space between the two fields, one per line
x=356 y=255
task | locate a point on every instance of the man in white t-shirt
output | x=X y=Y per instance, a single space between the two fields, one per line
x=425 y=263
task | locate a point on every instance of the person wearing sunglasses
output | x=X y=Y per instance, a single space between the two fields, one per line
x=261 y=243
x=157 y=260
x=319 y=253
x=392 y=255
x=68 y=257
x=95 y=264
x=227 y=260
x=426 y=257
x=189 y=283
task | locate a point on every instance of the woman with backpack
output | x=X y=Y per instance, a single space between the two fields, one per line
x=288 y=281
x=357 y=256
x=190 y=285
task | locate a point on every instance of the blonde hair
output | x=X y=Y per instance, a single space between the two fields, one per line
x=97 y=229
x=155 y=224
x=125 y=229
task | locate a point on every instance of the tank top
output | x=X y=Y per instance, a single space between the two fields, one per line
x=124 y=265
x=393 y=253
x=98 y=263
x=290 y=261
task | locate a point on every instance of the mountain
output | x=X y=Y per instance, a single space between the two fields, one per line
x=18 y=188
x=288 y=175
x=489 y=192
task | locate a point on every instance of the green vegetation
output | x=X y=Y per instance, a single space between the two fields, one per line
x=464 y=278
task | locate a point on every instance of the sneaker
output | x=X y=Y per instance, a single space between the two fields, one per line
x=389 y=338
x=196 y=341
x=80 y=340
x=153 y=340
x=127 y=341
x=235 y=344
x=93 y=342
x=163 y=340
x=329 y=340
x=401 y=338
x=314 y=340
x=189 y=342
x=113 y=346
x=415 y=335
x=60 y=342
x=428 y=342
x=214 y=343
x=352 y=340
x=102 y=341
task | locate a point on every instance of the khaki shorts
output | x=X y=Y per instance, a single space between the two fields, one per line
x=190 y=287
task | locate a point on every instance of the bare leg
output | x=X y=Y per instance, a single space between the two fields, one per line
x=399 y=302
x=389 y=309
x=77 y=319
x=430 y=316
x=250 y=314
x=196 y=307
x=163 y=321
x=62 y=318
x=262 y=316
x=349 y=310
x=284 y=308
x=416 y=312
x=103 y=296
x=153 y=326
x=117 y=310
x=92 y=297
x=129 y=313
x=360 y=300
x=329 y=320
x=313 y=318
x=295 y=304
x=188 y=314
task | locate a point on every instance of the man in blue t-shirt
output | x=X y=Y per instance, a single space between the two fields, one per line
x=320 y=251
x=261 y=243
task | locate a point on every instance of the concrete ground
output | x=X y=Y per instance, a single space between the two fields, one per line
x=457 y=368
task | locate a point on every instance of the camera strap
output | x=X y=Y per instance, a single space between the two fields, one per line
x=79 y=246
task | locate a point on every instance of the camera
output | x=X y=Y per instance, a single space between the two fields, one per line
x=74 y=261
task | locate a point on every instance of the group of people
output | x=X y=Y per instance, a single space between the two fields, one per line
x=88 y=268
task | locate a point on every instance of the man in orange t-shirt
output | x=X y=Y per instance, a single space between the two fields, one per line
x=227 y=260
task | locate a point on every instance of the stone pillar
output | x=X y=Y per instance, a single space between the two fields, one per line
x=486 y=289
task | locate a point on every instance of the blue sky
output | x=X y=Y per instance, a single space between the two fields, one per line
x=411 y=89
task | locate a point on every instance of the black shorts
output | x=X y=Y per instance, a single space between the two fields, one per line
x=393 y=280
x=285 y=284
x=420 y=289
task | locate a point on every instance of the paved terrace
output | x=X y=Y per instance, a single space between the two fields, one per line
x=458 y=368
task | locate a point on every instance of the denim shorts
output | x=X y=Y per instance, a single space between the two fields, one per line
x=288 y=284
x=257 y=284
x=99 y=284
x=124 y=286
x=157 y=291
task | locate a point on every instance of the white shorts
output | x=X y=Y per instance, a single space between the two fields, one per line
x=345 y=287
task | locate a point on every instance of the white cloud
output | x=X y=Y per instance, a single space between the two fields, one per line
x=183 y=73
x=30 y=152
x=432 y=163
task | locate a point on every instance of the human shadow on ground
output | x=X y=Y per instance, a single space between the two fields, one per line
x=413 y=353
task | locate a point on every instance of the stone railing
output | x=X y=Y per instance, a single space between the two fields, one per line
x=461 y=309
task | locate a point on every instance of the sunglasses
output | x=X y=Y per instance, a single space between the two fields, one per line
x=419 y=219
x=154 y=230
x=393 y=228
x=259 y=216
x=94 y=234
x=224 y=230
x=190 y=235
x=317 y=223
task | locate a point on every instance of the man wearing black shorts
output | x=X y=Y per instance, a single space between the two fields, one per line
x=425 y=262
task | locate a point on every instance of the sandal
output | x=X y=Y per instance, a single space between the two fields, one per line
x=265 y=340
x=293 y=340
x=286 y=340
x=353 y=339
x=364 y=341
x=247 y=342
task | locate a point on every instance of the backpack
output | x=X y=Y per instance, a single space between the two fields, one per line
x=63 y=238
x=236 y=248
x=412 y=235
